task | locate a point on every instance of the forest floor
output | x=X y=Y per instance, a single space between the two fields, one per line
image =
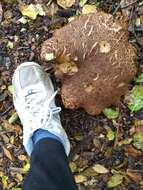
x=107 y=152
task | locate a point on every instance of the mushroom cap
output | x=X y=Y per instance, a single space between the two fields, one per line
x=94 y=61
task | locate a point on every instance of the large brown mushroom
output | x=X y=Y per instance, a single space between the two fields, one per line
x=94 y=61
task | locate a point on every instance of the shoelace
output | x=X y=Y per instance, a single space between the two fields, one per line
x=36 y=109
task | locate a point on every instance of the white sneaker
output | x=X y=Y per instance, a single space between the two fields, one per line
x=34 y=101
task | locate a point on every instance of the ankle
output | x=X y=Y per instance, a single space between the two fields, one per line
x=41 y=133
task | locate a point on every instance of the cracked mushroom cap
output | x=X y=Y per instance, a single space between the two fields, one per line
x=94 y=61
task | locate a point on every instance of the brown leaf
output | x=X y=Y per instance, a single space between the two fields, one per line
x=15 y=128
x=1 y=12
x=130 y=150
x=8 y=154
x=135 y=175
x=22 y=157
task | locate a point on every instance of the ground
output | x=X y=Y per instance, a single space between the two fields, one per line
x=107 y=153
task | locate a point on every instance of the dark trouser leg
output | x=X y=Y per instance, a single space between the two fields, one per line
x=49 y=168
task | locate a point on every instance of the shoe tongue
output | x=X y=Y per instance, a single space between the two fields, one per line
x=29 y=76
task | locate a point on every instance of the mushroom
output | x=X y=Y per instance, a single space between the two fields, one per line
x=93 y=59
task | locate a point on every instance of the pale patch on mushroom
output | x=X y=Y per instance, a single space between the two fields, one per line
x=104 y=47
x=121 y=85
x=49 y=57
x=68 y=68
x=88 y=88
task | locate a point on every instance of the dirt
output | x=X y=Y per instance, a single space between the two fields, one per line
x=88 y=134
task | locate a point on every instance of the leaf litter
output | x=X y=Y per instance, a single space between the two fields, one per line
x=93 y=156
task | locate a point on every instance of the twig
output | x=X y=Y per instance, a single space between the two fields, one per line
x=130 y=4
x=117 y=8
x=126 y=6
x=6 y=111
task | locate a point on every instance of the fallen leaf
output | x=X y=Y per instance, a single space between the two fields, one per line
x=23 y=20
x=32 y=10
x=22 y=157
x=4 y=180
x=79 y=137
x=19 y=177
x=138 y=140
x=134 y=175
x=125 y=142
x=26 y=166
x=134 y=100
x=29 y=11
x=1 y=173
x=8 y=154
x=89 y=9
x=10 y=45
x=131 y=151
x=141 y=183
x=82 y=2
x=13 y=118
x=11 y=127
x=65 y=3
x=89 y=172
x=115 y=180
x=138 y=22
x=80 y=178
x=1 y=12
x=40 y=10
x=11 y=89
x=100 y=169
x=110 y=113
x=139 y=79
x=110 y=134
x=73 y=167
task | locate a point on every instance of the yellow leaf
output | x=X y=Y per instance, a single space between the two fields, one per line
x=73 y=167
x=100 y=169
x=4 y=180
x=80 y=179
x=89 y=9
x=29 y=11
x=19 y=177
x=26 y=167
x=65 y=3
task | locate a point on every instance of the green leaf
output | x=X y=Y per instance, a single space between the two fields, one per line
x=11 y=89
x=26 y=166
x=13 y=118
x=115 y=180
x=4 y=181
x=16 y=188
x=139 y=79
x=135 y=99
x=110 y=113
x=89 y=172
x=83 y=2
x=73 y=167
x=110 y=134
x=138 y=140
x=137 y=92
